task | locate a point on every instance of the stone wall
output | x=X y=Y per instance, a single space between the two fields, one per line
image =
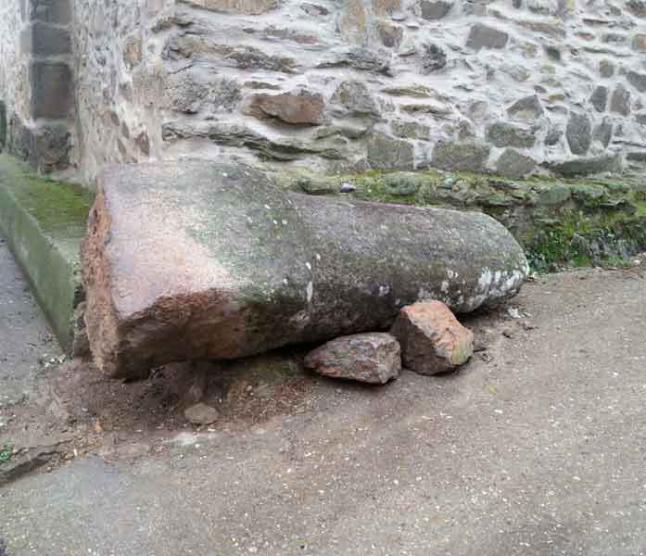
x=507 y=86
x=13 y=69
x=36 y=82
x=120 y=80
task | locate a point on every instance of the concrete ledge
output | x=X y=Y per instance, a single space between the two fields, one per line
x=44 y=222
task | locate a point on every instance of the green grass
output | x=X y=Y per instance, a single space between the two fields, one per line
x=6 y=453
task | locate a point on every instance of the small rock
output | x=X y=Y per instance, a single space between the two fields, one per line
x=578 y=133
x=503 y=134
x=527 y=108
x=354 y=98
x=482 y=36
x=391 y=35
x=434 y=10
x=637 y=80
x=201 y=414
x=620 y=100
x=347 y=187
x=599 y=98
x=606 y=68
x=431 y=338
x=512 y=164
x=388 y=153
x=372 y=357
x=303 y=108
x=603 y=132
x=468 y=156
x=433 y=58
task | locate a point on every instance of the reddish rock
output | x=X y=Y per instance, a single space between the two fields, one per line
x=298 y=109
x=431 y=338
x=372 y=357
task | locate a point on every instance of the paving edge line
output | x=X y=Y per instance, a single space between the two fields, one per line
x=43 y=222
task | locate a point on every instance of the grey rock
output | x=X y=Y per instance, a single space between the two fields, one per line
x=512 y=164
x=606 y=68
x=238 y=135
x=433 y=58
x=482 y=36
x=637 y=80
x=388 y=153
x=603 y=132
x=234 y=266
x=636 y=7
x=190 y=92
x=411 y=130
x=372 y=357
x=45 y=146
x=436 y=9
x=51 y=11
x=599 y=98
x=391 y=35
x=354 y=98
x=503 y=134
x=317 y=185
x=636 y=156
x=201 y=414
x=578 y=133
x=527 y=108
x=620 y=100
x=467 y=156
x=43 y=39
x=51 y=89
x=361 y=59
x=587 y=166
x=553 y=136
x=181 y=47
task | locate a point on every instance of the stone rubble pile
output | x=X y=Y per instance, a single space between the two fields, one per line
x=426 y=337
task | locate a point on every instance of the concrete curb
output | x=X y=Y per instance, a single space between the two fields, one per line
x=44 y=222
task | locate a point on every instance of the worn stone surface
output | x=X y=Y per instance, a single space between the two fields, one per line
x=460 y=156
x=431 y=338
x=512 y=164
x=527 y=108
x=386 y=152
x=434 y=9
x=354 y=98
x=142 y=67
x=502 y=134
x=637 y=80
x=483 y=36
x=587 y=166
x=599 y=98
x=372 y=357
x=301 y=108
x=249 y=7
x=237 y=267
x=620 y=100
x=578 y=133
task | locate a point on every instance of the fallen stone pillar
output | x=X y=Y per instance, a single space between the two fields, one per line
x=198 y=260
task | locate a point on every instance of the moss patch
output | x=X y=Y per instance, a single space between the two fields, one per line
x=58 y=207
x=44 y=222
x=559 y=222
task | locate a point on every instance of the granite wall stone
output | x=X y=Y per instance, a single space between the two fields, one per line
x=504 y=86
